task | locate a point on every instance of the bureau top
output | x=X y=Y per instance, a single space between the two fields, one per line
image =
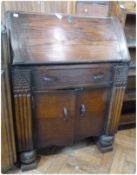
x=61 y=39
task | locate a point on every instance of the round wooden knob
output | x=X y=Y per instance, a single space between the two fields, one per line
x=85 y=10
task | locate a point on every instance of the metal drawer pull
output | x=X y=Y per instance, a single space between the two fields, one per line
x=82 y=110
x=65 y=113
x=49 y=79
x=98 y=76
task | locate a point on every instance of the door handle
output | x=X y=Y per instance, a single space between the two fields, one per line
x=82 y=110
x=65 y=113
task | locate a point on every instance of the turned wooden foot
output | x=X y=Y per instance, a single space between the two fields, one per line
x=105 y=143
x=28 y=160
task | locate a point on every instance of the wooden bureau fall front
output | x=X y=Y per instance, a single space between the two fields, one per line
x=68 y=80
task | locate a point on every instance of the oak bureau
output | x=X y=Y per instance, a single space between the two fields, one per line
x=69 y=75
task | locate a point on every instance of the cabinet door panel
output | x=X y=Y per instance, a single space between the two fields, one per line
x=91 y=111
x=54 y=115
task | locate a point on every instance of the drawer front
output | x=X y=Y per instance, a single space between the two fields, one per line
x=71 y=77
x=98 y=10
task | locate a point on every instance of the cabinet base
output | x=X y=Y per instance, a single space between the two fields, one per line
x=104 y=149
x=105 y=143
x=28 y=160
x=27 y=167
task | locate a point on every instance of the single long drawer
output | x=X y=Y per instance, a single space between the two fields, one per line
x=90 y=9
x=61 y=77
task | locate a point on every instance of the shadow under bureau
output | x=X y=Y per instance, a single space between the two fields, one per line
x=69 y=75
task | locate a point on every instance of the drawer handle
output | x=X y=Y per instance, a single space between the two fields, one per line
x=98 y=76
x=49 y=79
x=82 y=110
x=65 y=113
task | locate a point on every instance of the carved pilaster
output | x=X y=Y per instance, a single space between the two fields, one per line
x=23 y=120
x=23 y=114
x=23 y=117
x=119 y=84
x=120 y=80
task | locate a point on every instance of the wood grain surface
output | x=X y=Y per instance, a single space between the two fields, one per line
x=91 y=120
x=67 y=7
x=57 y=107
x=72 y=39
x=8 y=145
x=54 y=125
x=57 y=77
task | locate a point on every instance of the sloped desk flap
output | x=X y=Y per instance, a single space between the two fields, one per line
x=40 y=38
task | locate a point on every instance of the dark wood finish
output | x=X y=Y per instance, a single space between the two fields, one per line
x=68 y=34
x=23 y=120
x=89 y=121
x=8 y=146
x=69 y=76
x=23 y=111
x=120 y=80
x=54 y=118
x=23 y=115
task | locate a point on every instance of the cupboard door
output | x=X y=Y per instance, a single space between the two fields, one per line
x=91 y=111
x=54 y=115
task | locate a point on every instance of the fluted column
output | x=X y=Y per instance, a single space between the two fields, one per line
x=119 y=84
x=23 y=117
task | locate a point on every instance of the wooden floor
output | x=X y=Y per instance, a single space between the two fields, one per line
x=84 y=157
